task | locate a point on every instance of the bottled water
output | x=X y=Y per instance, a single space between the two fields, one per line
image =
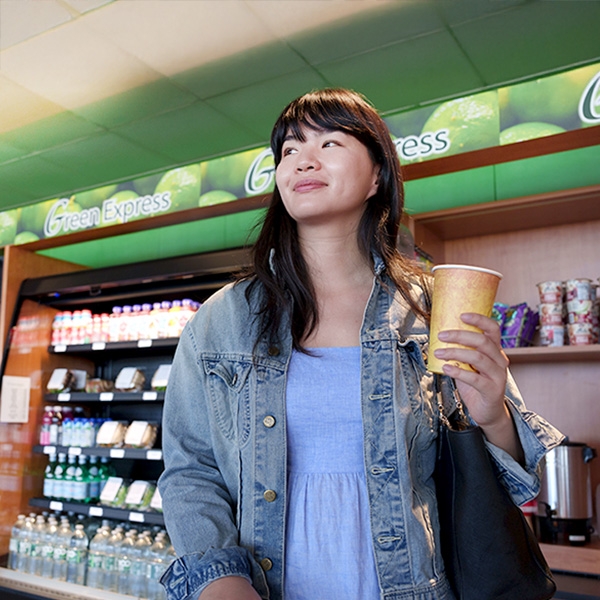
x=124 y=556
x=61 y=546
x=96 y=558
x=49 y=476
x=81 y=483
x=69 y=478
x=137 y=580
x=37 y=541
x=59 y=476
x=157 y=564
x=110 y=559
x=13 y=548
x=48 y=547
x=94 y=480
x=24 y=553
x=77 y=556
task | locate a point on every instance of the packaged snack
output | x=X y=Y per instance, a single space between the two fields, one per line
x=140 y=434
x=114 y=492
x=156 y=502
x=98 y=386
x=519 y=326
x=160 y=378
x=130 y=379
x=111 y=434
x=139 y=495
x=60 y=380
x=499 y=311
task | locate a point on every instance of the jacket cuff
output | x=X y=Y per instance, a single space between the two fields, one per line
x=187 y=576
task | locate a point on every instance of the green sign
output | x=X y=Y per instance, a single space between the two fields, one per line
x=525 y=111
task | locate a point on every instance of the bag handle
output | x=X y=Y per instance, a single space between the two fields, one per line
x=447 y=395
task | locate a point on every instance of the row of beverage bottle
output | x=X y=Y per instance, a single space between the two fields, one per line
x=76 y=478
x=65 y=426
x=146 y=321
x=109 y=558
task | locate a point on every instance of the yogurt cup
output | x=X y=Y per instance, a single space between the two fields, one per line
x=581 y=334
x=578 y=289
x=552 y=335
x=551 y=314
x=551 y=292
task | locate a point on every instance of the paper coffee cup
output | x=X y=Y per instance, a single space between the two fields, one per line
x=458 y=289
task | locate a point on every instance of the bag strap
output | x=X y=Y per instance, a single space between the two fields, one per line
x=450 y=405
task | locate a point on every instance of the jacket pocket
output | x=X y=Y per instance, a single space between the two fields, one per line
x=229 y=389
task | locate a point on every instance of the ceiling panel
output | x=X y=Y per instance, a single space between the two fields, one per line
x=385 y=24
x=178 y=35
x=534 y=38
x=21 y=20
x=74 y=66
x=258 y=106
x=186 y=134
x=139 y=103
x=252 y=66
x=101 y=158
x=10 y=152
x=21 y=106
x=51 y=131
x=455 y=12
x=394 y=76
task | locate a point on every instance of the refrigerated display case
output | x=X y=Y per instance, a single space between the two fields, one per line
x=31 y=354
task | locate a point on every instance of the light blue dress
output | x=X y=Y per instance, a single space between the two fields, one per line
x=328 y=537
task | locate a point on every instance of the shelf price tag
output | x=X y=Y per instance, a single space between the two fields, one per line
x=96 y=511
x=74 y=450
x=49 y=449
x=54 y=505
x=60 y=348
x=117 y=453
x=106 y=396
x=137 y=517
x=149 y=395
x=64 y=397
x=154 y=455
x=98 y=345
x=144 y=343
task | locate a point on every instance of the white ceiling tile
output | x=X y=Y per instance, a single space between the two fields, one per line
x=178 y=35
x=286 y=17
x=73 y=66
x=83 y=6
x=24 y=19
x=21 y=107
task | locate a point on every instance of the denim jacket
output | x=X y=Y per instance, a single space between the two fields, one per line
x=224 y=441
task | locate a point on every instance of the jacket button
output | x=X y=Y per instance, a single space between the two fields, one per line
x=273 y=351
x=269 y=495
x=266 y=564
x=269 y=421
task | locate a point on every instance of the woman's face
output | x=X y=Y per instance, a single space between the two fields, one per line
x=327 y=177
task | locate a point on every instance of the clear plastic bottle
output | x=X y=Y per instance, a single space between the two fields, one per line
x=143 y=323
x=61 y=546
x=135 y=324
x=59 y=476
x=25 y=544
x=110 y=559
x=96 y=557
x=48 y=490
x=13 y=547
x=114 y=327
x=55 y=426
x=154 y=321
x=77 y=556
x=125 y=327
x=124 y=558
x=155 y=566
x=37 y=544
x=163 y=319
x=137 y=579
x=173 y=322
x=66 y=329
x=48 y=547
x=45 y=429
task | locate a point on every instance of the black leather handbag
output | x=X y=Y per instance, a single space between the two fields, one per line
x=489 y=550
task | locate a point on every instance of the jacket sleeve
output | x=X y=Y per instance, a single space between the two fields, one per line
x=537 y=437
x=198 y=506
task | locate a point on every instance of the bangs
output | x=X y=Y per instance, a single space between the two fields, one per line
x=321 y=112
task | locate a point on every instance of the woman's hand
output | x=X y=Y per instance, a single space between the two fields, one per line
x=229 y=588
x=483 y=390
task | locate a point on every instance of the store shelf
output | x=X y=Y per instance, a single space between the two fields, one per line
x=144 y=396
x=112 y=347
x=40 y=587
x=102 y=512
x=116 y=453
x=546 y=354
x=576 y=559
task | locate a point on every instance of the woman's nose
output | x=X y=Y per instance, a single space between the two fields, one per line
x=307 y=161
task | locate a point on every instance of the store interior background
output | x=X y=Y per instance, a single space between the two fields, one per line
x=94 y=92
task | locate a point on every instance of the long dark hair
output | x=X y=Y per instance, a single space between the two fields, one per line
x=278 y=268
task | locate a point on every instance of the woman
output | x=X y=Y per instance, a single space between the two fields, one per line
x=299 y=425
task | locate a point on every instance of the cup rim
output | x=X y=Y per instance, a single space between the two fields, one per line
x=468 y=268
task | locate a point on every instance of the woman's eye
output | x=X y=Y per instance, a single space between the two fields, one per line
x=330 y=143
x=288 y=151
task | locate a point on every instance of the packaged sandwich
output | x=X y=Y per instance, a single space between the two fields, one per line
x=98 y=386
x=141 y=434
x=160 y=378
x=111 y=434
x=130 y=379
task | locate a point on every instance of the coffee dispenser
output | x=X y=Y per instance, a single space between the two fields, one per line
x=565 y=512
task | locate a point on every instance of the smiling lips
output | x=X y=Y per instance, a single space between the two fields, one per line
x=308 y=185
